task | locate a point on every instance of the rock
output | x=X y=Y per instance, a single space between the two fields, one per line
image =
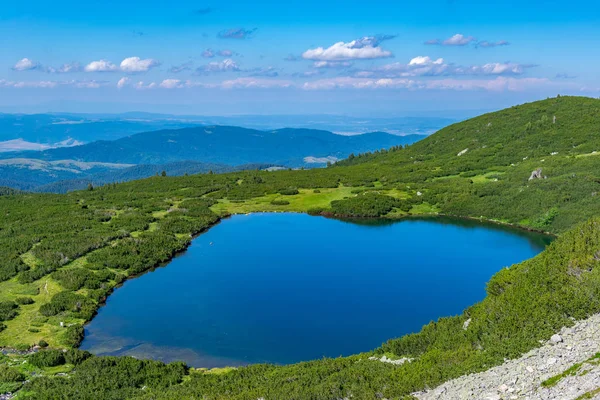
x=537 y=174
x=466 y=324
x=521 y=378
x=462 y=152
x=556 y=338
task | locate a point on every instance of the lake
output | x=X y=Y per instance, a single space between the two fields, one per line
x=283 y=288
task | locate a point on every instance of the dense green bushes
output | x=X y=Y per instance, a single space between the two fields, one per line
x=369 y=204
x=47 y=358
x=108 y=378
x=75 y=304
x=278 y=202
x=8 y=310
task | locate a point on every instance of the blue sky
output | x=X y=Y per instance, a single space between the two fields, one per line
x=342 y=57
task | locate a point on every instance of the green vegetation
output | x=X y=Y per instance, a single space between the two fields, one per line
x=67 y=252
x=571 y=371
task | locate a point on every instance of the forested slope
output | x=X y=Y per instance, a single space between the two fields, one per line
x=63 y=254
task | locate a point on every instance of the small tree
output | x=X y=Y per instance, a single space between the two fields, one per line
x=90 y=187
x=164 y=173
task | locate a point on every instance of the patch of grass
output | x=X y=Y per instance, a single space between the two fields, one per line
x=571 y=371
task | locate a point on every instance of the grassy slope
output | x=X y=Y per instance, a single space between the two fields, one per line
x=525 y=303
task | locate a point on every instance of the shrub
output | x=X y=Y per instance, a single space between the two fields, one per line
x=8 y=374
x=289 y=192
x=76 y=356
x=73 y=335
x=8 y=310
x=24 y=300
x=43 y=343
x=280 y=202
x=47 y=358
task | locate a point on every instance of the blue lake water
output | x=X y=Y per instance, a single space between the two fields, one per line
x=283 y=288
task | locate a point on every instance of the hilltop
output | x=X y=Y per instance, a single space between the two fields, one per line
x=65 y=253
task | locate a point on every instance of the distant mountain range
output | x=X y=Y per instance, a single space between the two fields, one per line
x=224 y=145
x=191 y=150
x=42 y=131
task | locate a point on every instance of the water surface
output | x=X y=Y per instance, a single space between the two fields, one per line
x=283 y=288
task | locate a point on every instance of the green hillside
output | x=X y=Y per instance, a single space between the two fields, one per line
x=63 y=254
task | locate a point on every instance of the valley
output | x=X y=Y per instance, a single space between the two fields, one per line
x=66 y=254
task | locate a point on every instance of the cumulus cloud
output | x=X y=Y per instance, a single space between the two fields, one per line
x=494 y=69
x=66 y=68
x=141 y=85
x=225 y=53
x=136 y=64
x=227 y=65
x=364 y=48
x=458 y=40
x=426 y=66
x=25 y=64
x=171 y=84
x=100 y=66
x=236 y=33
x=425 y=60
x=123 y=82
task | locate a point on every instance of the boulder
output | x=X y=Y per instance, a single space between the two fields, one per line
x=537 y=174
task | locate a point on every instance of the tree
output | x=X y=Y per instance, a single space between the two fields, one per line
x=164 y=173
x=90 y=187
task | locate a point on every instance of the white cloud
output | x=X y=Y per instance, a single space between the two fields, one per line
x=227 y=65
x=494 y=69
x=458 y=40
x=171 y=84
x=332 y=64
x=360 y=49
x=462 y=40
x=356 y=83
x=141 y=85
x=123 y=82
x=25 y=64
x=136 y=64
x=66 y=68
x=100 y=66
x=425 y=60
x=51 y=84
x=426 y=66
x=485 y=43
x=499 y=84
x=245 y=83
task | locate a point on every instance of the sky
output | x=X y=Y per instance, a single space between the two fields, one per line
x=388 y=58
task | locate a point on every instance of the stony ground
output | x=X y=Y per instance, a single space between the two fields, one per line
x=522 y=378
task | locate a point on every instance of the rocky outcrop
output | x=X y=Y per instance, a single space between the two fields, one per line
x=537 y=174
x=522 y=378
